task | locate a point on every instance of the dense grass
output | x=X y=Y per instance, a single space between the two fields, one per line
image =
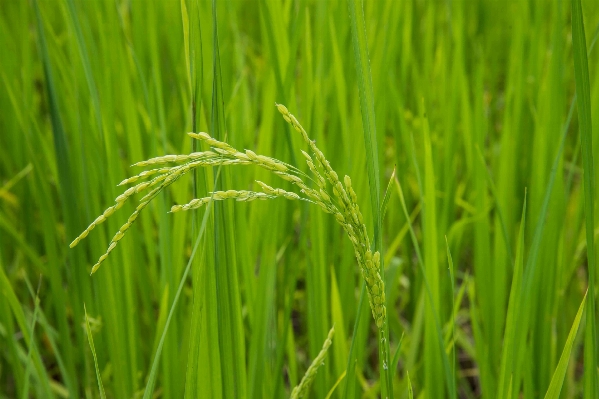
x=483 y=238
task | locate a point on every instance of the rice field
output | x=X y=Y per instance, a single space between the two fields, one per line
x=324 y=199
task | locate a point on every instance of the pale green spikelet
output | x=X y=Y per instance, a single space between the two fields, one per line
x=205 y=137
x=251 y=155
x=193 y=204
x=303 y=387
x=279 y=192
x=143 y=175
x=176 y=158
x=239 y=195
x=290 y=178
x=265 y=187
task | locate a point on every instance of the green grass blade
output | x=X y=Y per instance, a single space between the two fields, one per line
x=555 y=387
x=428 y=291
x=261 y=322
x=360 y=46
x=90 y=338
x=93 y=91
x=230 y=326
x=265 y=9
x=395 y=360
x=148 y=392
x=186 y=44
x=334 y=387
x=340 y=350
x=581 y=74
x=192 y=37
x=350 y=379
x=30 y=350
x=50 y=333
x=432 y=352
x=9 y=295
x=507 y=357
x=452 y=282
x=506 y=240
x=365 y=90
x=387 y=195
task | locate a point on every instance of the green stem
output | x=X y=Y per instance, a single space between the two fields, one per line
x=360 y=45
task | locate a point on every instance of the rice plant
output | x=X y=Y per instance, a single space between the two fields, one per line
x=471 y=212
x=342 y=204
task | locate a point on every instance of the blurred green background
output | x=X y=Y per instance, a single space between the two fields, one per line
x=89 y=87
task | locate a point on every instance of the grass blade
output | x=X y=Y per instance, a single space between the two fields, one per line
x=434 y=354
x=230 y=326
x=33 y=322
x=557 y=380
x=9 y=295
x=452 y=282
x=274 y=49
x=506 y=369
x=395 y=360
x=581 y=74
x=93 y=91
x=428 y=291
x=192 y=37
x=387 y=195
x=350 y=380
x=360 y=45
x=154 y=369
x=491 y=183
x=90 y=338
x=334 y=387
x=362 y=63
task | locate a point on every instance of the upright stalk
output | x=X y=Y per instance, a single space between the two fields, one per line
x=360 y=44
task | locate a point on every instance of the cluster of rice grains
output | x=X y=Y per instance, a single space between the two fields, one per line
x=347 y=212
x=301 y=390
x=342 y=204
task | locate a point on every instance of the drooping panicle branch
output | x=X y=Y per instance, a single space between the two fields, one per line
x=342 y=204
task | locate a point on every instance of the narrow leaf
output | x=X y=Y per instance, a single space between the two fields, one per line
x=581 y=74
x=555 y=387
x=90 y=338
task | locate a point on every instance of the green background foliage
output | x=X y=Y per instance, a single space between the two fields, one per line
x=475 y=105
